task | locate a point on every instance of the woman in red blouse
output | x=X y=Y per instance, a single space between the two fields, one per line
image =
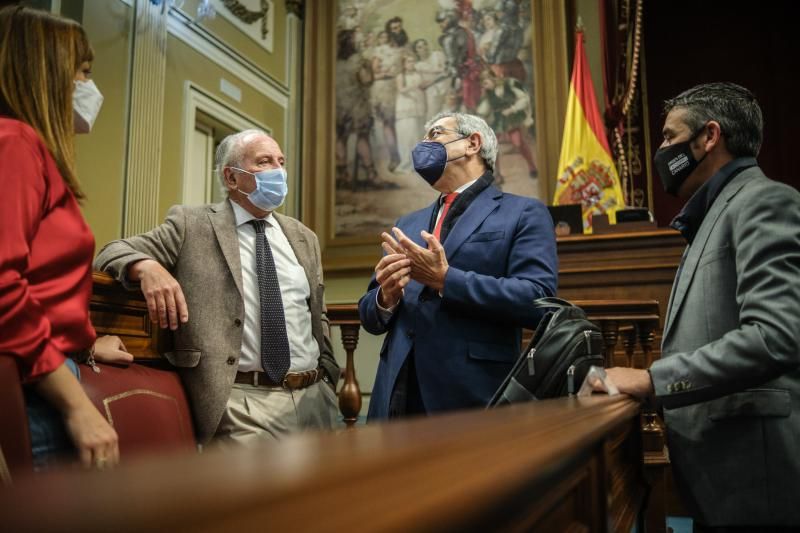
x=46 y=247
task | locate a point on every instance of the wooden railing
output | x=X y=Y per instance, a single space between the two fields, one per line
x=119 y=312
x=570 y=464
x=116 y=311
x=632 y=320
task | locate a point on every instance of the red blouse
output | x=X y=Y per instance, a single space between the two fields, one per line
x=46 y=251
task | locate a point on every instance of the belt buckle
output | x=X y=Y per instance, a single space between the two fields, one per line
x=307 y=378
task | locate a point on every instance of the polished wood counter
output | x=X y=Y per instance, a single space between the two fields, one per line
x=558 y=465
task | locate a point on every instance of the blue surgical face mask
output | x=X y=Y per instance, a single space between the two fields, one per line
x=271 y=188
x=430 y=159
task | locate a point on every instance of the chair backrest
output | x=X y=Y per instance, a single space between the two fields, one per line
x=146 y=406
x=15 y=439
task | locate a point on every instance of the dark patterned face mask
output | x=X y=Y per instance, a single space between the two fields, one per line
x=675 y=163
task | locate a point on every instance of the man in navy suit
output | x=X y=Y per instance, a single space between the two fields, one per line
x=458 y=279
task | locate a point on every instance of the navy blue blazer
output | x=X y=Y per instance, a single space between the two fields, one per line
x=502 y=257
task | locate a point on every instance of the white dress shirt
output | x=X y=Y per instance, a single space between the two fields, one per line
x=295 y=292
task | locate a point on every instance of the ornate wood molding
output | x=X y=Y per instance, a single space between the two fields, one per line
x=248 y=16
x=295 y=7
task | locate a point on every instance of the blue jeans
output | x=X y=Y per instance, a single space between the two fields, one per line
x=49 y=439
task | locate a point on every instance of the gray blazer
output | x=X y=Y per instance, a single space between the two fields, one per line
x=200 y=246
x=729 y=376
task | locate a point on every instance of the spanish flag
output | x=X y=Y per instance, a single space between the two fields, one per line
x=587 y=174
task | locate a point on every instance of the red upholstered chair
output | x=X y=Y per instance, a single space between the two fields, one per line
x=15 y=440
x=146 y=406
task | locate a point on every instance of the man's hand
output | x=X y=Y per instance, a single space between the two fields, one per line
x=110 y=349
x=165 y=301
x=392 y=273
x=428 y=265
x=633 y=381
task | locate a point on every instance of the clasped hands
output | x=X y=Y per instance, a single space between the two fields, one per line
x=406 y=260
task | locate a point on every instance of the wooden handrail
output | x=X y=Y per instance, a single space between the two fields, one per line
x=119 y=312
x=634 y=321
x=124 y=313
x=115 y=311
x=558 y=465
x=637 y=319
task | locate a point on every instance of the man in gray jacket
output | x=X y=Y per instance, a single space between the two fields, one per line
x=729 y=376
x=241 y=288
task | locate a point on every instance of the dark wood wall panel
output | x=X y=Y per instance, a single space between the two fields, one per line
x=623 y=266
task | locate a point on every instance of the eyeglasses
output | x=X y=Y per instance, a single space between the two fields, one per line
x=435 y=131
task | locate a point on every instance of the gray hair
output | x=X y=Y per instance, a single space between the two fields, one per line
x=467 y=125
x=733 y=106
x=231 y=151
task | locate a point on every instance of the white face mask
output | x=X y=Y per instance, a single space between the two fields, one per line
x=86 y=102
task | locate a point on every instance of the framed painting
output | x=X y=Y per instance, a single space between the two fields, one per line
x=377 y=70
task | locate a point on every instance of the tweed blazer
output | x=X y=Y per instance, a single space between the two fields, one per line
x=200 y=247
x=729 y=376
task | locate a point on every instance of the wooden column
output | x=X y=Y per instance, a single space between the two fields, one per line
x=646 y=338
x=346 y=317
x=629 y=342
x=610 y=330
x=145 y=118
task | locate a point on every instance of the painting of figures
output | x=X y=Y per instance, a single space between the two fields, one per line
x=399 y=63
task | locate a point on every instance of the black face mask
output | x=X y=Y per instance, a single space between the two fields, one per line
x=675 y=163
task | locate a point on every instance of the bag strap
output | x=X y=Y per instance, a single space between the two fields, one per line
x=551 y=302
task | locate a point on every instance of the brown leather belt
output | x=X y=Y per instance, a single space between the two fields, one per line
x=291 y=381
